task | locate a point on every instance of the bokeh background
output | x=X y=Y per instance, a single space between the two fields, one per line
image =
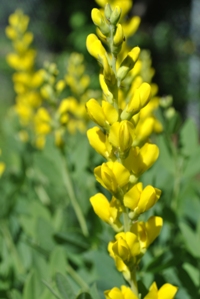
x=169 y=29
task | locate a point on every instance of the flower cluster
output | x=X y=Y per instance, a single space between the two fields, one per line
x=125 y=122
x=44 y=103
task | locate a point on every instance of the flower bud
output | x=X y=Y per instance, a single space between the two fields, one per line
x=115 y=15
x=107 y=12
x=119 y=36
x=128 y=63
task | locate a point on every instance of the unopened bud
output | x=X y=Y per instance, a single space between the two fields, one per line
x=119 y=36
x=115 y=16
x=128 y=63
x=107 y=12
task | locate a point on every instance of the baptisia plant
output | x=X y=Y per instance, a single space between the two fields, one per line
x=122 y=138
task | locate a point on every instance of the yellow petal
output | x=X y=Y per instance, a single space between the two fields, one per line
x=111 y=114
x=95 y=112
x=101 y=206
x=132 y=197
x=153 y=228
x=167 y=291
x=98 y=141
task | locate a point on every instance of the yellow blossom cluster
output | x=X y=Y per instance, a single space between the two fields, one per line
x=125 y=122
x=41 y=104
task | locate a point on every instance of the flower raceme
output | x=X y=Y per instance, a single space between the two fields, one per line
x=130 y=246
x=124 y=120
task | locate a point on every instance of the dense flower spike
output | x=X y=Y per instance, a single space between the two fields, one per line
x=125 y=122
x=40 y=104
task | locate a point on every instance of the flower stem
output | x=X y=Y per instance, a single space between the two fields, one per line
x=69 y=186
x=133 y=283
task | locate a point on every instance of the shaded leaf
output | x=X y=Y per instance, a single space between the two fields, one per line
x=64 y=287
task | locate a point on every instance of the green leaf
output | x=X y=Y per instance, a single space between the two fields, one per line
x=64 y=287
x=192 y=240
x=165 y=157
x=14 y=294
x=33 y=287
x=193 y=164
x=50 y=289
x=45 y=234
x=94 y=292
x=84 y=295
x=193 y=272
x=189 y=137
x=58 y=260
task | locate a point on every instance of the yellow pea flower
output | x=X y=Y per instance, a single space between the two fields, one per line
x=138 y=101
x=125 y=251
x=99 y=141
x=147 y=232
x=124 y=5
x=128 y=63
x=167 y=291
x=112 y=176
x=103 y=115
x=141 y=159
x=124 y=293
x=95 y=47
x=140 y=200
x=107 y=211
x=107 y=93
x=119 y=36
x=131 y=26
x=144 y=129
x=97 y=17
x=42 y=122
x=121 y=135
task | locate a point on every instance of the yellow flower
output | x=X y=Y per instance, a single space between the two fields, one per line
x=94 y=47
x=125 y=250
x=112 y=176
x=140 y=200
x=129 y=247
x=107 y=211
x=99 y=141
x=124 y=293
x=141 y=159
x=103 y=115
x=167 y=291
x=147 y=232
x=131 y=26
x=138 y=101
x=121 y=135
x=42 y=122
x=125 y=5
x=128 y=63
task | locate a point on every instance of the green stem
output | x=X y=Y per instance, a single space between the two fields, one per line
x=133 y=283
x=126 y=222
x=77 y=278
x=69 y=186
